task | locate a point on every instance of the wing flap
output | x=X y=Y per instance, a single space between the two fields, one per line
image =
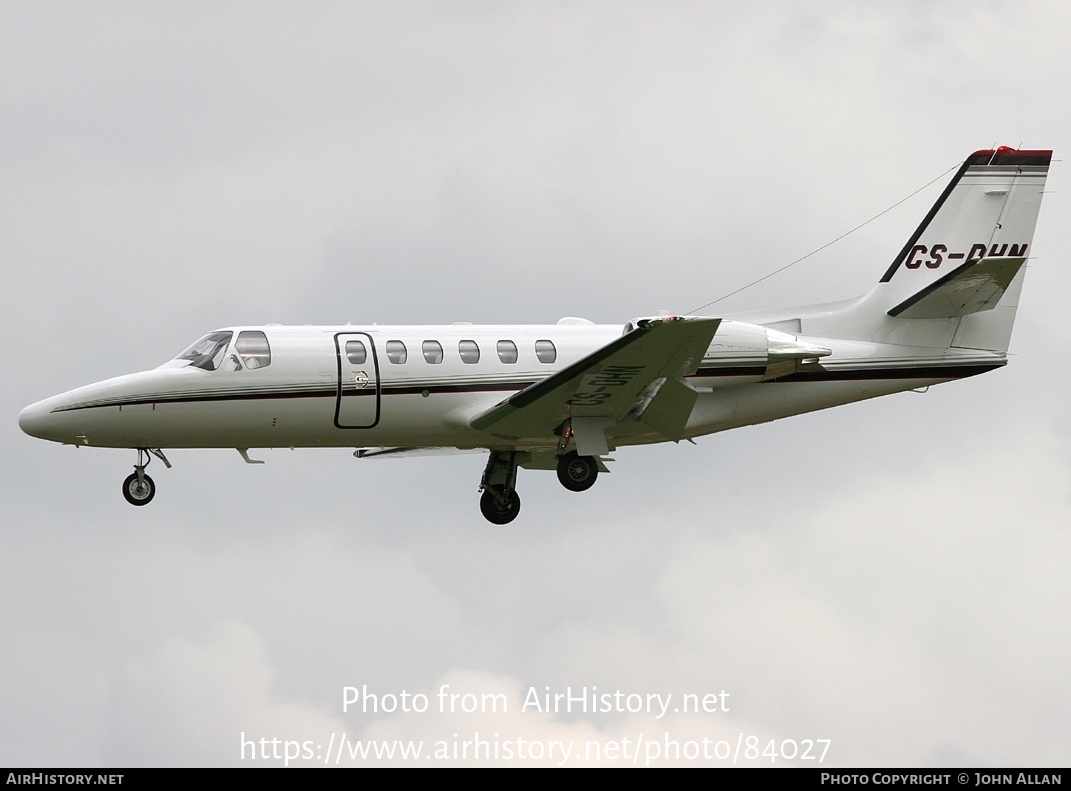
x=667 y=410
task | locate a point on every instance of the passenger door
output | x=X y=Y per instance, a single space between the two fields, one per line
x=357 y=403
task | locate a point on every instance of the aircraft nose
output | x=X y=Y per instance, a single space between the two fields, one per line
x=37 y=420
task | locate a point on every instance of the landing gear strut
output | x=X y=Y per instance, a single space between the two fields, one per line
x=500 y=503
x=577 y=473
x=138 y=488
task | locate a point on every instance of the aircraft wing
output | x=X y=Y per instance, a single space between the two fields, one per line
x=636 y=377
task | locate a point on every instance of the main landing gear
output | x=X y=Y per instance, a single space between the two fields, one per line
x=139 y=488
x=500 y=502
x=577 y=473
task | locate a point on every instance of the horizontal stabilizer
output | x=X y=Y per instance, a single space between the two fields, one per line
x=976 y=286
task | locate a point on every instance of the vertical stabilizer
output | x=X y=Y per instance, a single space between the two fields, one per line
x=989 y=208
x=967 y=256
x=956 y=281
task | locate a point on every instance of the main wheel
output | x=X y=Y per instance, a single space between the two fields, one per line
x=497 y=510
x=577 y=473
x=138 y=492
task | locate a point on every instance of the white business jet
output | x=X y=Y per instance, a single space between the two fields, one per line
x=563 y=396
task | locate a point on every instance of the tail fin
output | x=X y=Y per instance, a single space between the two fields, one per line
x=956 y=282
x=966 y=257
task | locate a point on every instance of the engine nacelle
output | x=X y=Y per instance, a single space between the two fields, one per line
x=743 y=353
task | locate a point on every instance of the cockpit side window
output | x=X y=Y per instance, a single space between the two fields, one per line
x=252 y=346
x=207 y=353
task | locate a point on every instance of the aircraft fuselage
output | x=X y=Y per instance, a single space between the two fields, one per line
x=365 y=386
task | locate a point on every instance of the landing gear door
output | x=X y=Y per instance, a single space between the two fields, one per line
x=357 y=403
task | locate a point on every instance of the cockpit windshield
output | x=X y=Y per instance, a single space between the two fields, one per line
x=208 y=352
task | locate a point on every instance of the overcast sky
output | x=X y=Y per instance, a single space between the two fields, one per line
x=892 y=576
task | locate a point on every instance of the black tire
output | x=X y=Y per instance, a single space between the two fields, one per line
x=498 y=511
x=139 y=492
x=577 y=473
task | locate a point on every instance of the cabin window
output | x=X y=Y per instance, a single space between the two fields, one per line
x=252 y=347
x=507 y=352
x=356 y=353
x=396 y=352
x=207 y=353
x=545 y=351
x=433 y=352
x=469 y=351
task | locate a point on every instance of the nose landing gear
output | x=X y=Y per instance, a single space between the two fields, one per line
x=139 y=488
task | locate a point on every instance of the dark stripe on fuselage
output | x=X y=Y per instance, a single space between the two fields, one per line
x=292 y=394
x=824 y=375
x=885 y=374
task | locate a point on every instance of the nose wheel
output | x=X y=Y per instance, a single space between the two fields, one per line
x=138 y=488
